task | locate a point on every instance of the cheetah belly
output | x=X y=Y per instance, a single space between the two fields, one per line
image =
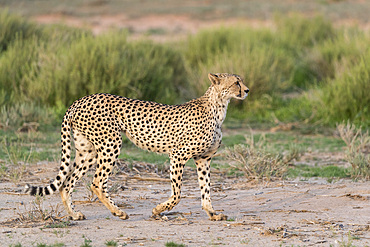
x=151 y=139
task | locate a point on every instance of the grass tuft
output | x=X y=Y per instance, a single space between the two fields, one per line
x=173 y=244
x=110 y=243
x=257 y=163
x=357 y=149
x=87 y=242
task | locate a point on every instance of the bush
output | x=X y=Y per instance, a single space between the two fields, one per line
x=19 y=66
x=47 y=73
x=296 y=31
x=253 y=54
x=15 y=27
x=346 y=97
x=272 y=62
x=17 y=115
x=292 y=71
x=258 y=163
x=111 y=64
x=358 y=144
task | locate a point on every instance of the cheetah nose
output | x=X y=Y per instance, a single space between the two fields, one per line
x=246 y=91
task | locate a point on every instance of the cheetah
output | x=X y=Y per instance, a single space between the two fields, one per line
x=189 y=130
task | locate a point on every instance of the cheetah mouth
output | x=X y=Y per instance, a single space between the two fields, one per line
x=239 y=96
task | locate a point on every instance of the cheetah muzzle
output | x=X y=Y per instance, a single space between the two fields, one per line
x=189 y=130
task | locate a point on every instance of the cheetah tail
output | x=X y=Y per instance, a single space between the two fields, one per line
x=64 y=166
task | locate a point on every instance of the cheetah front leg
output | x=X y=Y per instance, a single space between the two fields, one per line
x=177 y=167
x=204 y=178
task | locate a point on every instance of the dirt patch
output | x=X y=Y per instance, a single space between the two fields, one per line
x=270 y=214
x=157 y=27
x=161 y=27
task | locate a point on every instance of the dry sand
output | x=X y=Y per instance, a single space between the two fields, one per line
x=299 y=213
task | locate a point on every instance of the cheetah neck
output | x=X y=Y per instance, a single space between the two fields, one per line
x=218 y=104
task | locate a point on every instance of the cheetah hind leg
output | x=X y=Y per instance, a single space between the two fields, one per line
x=204 y=179
x=99 y=185
x=85 y=158
x=67 y=202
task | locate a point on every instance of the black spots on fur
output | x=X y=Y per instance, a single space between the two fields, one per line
x=33 y=191
x=47 y=192
x=52 y=186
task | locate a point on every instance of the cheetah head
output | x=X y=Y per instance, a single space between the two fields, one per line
x=229 y=85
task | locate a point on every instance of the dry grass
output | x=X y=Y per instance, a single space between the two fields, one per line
x=35 y=214
x=257 y=163
x=357 y=150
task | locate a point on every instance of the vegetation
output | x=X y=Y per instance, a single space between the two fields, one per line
x=110 y=243
x=173 y=244
x=292 y=71
x=256 y=160
x=357 y=150
x=87 y=242
x=328 y=172
x=302 y=71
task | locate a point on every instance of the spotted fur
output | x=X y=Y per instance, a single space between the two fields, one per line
x=190 y=130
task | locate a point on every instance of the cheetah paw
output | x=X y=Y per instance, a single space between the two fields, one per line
x=122 y=215
x=77 y=216
x=218 y=217
x=159 y=217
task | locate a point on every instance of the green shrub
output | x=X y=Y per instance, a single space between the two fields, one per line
x=19 y=66
x=14 y=27
x=16 y=115
x=61 y=35
x=253 y=54
x=292 y=70
x=47 y=73
x=347 y=96
x=300 y=38
x=357 y=143
x=333 y=56
x=272 y=61
x=297 y=31
x=111 y=64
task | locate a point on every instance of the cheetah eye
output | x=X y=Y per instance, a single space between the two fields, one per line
x=237 y=83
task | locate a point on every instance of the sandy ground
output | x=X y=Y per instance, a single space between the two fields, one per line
x=280 y=213
x=162 y=27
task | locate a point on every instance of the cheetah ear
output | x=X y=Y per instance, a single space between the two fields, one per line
x=214 y=78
